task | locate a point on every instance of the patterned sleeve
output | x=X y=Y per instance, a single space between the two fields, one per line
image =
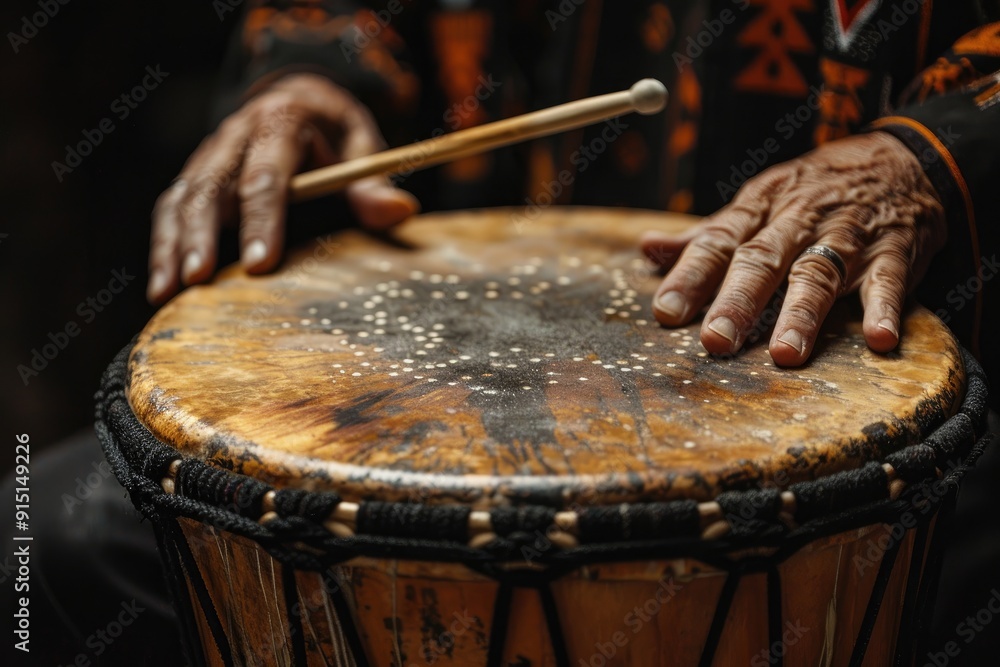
x=950 y=118
x=354 y=45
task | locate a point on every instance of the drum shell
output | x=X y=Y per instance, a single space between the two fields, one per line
x=624 y=614
x=229 y=384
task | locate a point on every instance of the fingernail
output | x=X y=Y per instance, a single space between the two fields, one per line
x=672 y=303
x=725 y=328
x=889 y=326
x=157 y=283
x=254 y=253
x=794 y=340
x=192 y=264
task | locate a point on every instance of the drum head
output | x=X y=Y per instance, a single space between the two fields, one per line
x=487 y=358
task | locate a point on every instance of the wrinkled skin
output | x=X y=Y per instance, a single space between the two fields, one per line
x=866 y=197
x=243 y=169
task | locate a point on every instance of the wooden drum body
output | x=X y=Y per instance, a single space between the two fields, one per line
x=470 y=443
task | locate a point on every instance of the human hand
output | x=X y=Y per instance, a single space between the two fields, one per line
x=243 y=170
x=865 y=197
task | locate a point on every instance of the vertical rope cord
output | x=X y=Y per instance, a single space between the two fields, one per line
x=294 y=610
x=907 y=623
x=556 y=637
x=344 y=614
x=194 y=577
x=498 y=627
x=874 y=604
x=141 y=468
x=723 y=604
x=775 y=617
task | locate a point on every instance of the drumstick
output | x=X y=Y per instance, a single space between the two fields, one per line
x=647 y=96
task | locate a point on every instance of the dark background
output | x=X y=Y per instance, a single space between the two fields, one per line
x=64 y=239
x=61 y=241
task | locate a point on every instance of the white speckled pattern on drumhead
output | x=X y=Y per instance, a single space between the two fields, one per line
x=480 y=360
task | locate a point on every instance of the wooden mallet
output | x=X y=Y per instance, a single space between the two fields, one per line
x=647 y=96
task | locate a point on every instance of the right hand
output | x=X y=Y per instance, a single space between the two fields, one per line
x=243 y=169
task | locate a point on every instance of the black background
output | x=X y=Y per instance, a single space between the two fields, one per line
x=64 y=239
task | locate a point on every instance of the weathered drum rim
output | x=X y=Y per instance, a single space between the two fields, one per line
x=161 y=479
x=805 y=460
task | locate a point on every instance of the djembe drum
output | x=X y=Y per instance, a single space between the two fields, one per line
x=469 y=443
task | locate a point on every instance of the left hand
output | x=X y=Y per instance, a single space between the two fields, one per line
x=866 y=197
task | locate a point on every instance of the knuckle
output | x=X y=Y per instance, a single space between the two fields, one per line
x=764 y=183
x=888 y=279
x=275 y=110
x=816 y=276
x=739 y=303
x=758 y=256
x=164 y=204
x=162 y=248
x=898 y=246
x=168 y=200
x=802 y=314
x=714 y=246
x=205 y=191
x=720 y=234
x=261 y=181
x=233 y=124
x=257 y=219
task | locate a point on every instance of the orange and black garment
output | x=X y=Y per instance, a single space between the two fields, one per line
x=753 y=83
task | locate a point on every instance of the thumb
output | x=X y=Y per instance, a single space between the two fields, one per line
x=379 y=205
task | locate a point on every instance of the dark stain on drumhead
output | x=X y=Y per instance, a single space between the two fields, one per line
x=502 y=347
x=360 y=411
x=165 y=334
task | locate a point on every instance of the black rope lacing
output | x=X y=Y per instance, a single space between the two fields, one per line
x=296 y=537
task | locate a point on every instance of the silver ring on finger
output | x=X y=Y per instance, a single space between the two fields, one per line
x=833 y=257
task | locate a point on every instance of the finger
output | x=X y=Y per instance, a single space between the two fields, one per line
x=211 y=179
x=702 y=264
x=664 y=249
x=375 y=202
x=271 y=159
x=758 y=267
x=883 y=291
x=379 y=205
x=164 y=278
x=814 y=284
